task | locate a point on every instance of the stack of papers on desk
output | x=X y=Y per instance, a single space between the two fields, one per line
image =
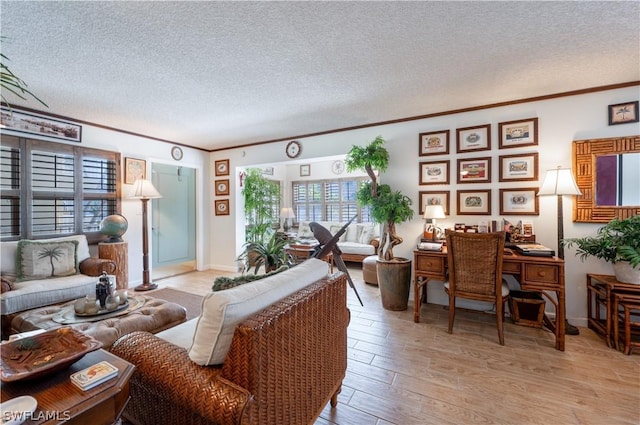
x=534 y=249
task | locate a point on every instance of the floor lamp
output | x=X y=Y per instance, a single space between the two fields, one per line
x=144 y=190
x=559 y=182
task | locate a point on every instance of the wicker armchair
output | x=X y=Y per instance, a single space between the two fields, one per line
x=475 y=272
x=285 y=363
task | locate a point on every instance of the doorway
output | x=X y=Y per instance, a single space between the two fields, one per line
x=173 y=221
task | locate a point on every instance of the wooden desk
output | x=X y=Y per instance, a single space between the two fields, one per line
x=59 y=401
x=601 y=290
x=541 y=274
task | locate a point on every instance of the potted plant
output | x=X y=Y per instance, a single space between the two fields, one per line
x=388 y=207
x=272 y=254
x=618 y=243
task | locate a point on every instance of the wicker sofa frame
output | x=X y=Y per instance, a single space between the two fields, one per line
x=284 y=365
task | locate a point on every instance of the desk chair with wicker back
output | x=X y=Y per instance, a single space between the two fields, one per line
x=475 y=272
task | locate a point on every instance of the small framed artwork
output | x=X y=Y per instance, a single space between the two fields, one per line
x=434 y=172
x=268 y=171
x=222 y=167
x=305 y=170
x=623 y=113
x=222 y=187
x=474 y=170
x=134 y=169
x=15 y=120
x=434 y=143
x=520 y=201
x=476 y=138
x=521 y=167
x=514 y=134
x=434 y=198
x=474 y=202
x=222 y=207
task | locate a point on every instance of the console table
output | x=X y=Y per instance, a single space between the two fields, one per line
x=540 y=274
x=59 y=401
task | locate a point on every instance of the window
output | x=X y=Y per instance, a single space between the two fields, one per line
x=329 y=200
x=53 y=189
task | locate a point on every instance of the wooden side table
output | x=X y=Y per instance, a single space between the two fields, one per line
x=119 y=253
x=59 y=401
x=601 y=290
x=626 y=307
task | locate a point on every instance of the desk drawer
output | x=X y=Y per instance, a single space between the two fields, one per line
x=541 y=273
x=510 y=268
x=435 y=265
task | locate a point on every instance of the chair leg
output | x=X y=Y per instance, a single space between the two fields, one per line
x=500 y=321
x=452 y=312
x=334 y=397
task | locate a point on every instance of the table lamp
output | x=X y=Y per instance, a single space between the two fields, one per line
x=432 y=212
x=287 y=213
x=559 y=182
x=144 y=190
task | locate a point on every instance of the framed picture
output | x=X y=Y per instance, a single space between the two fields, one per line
x=267 y=171
x=474 y=202
x=222 y=167
x=621 y=113
x=434 y=198
x=474 y=170
x=521 y=167
x=222 y=187
x=18 y=121
x=134 y=169
x=434 y=172
x=513 y=134
x=222 y=207
x=520 y=201
x=476 y=138
x=434 y=143
x=305 y=170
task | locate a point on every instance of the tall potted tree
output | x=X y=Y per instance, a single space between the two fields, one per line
x=388 y=208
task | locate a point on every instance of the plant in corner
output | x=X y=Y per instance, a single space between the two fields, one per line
x=618 y=243
x=272 y=254
x=388 y=207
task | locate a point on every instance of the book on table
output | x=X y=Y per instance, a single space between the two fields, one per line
x=94 y=375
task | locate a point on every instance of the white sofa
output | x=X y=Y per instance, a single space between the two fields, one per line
x=358 y=242
x=32 y=292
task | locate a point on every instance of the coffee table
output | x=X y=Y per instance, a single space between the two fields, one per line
x=154 y=315
x=59 y=401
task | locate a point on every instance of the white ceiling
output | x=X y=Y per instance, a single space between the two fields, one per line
x=222 y=74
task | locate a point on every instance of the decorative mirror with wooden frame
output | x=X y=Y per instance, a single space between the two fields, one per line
x=599 y=165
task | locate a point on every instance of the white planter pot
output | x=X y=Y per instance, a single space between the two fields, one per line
x=625 y=273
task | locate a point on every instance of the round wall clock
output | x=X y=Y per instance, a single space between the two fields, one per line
x=293 y=149
x=176 y=153
x=337 y=167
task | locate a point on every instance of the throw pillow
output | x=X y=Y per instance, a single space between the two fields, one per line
x=366 y=235
x=43 y=260
x=6 y=285
x=304 y=231
x=335 y=229
x=224 y=282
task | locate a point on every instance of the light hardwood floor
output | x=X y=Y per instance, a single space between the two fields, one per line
x=405 y=373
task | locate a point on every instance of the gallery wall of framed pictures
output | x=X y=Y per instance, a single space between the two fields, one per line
x=221 y=186
x=478 y=153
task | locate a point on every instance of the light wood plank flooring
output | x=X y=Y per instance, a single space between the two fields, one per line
x=401 y=372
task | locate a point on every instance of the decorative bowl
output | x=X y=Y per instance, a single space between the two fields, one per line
x=45 y=353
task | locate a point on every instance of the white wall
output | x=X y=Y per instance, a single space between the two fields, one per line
x=561 y=121
x=153 y=152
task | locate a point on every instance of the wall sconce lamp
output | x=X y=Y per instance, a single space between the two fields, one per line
x=432 y=212
x=144 y=190
x=559 y=182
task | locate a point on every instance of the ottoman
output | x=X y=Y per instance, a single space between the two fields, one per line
x=154 y=316
x=369 y=270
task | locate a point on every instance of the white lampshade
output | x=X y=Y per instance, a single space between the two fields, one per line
x=287 y=213
x=433 y=211
x=559 y=182
x=144 y=189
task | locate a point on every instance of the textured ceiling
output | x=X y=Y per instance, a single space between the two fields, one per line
x=222 y=74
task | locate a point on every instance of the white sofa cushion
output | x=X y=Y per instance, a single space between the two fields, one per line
x=40 y=293
x=223 y=311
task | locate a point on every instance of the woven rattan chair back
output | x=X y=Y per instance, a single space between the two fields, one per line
x=475 y=271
